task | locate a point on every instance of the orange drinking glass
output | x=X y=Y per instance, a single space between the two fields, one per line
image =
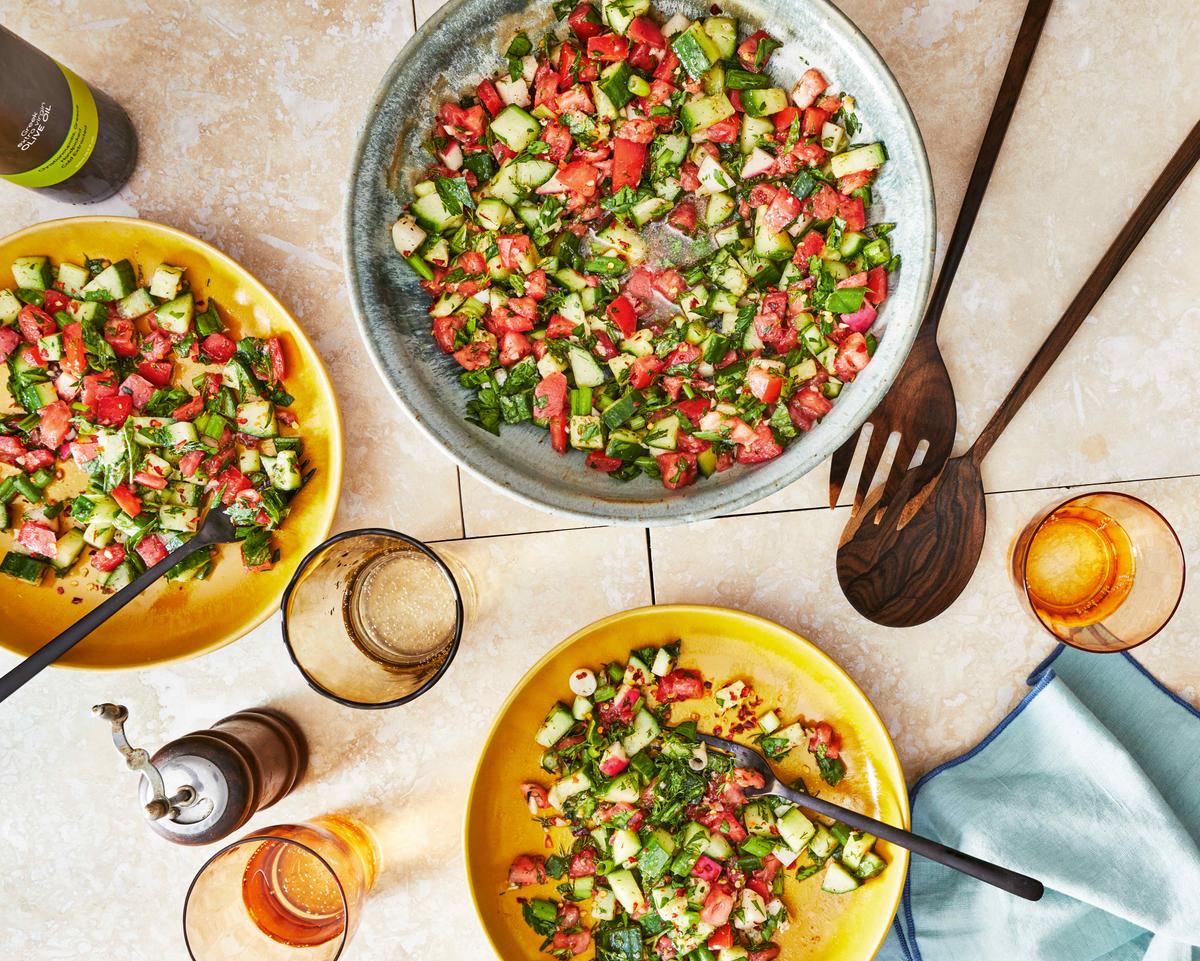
x=281 y=893
x=1102 y=571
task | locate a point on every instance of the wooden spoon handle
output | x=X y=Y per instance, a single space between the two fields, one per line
x=1105 y=271
x=993 y=139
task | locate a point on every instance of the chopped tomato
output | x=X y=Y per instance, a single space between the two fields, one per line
x=512 y=247
x=190 y=462
x=852 y=356
x=717 y=906
x=748 y=52
x=693 y=409
x=809 y=87
x=35 y=323
x=573 y=942
x=621 y=312
x=579 y=178
x=488 y=96
x=877 y=285
x=54 y=301
x=558 y=434
x=218 y=347
x=811 y=245
x=585 y=21
x=54 y=423
x=643 y=371
x=808 y=406
x=763 y=448
x=151 y=550
x=629 y=158
x=814 y=119
x=9 y=341
x=765 y=384
x=535 y=284
x=721 y=938
x=724 y=131
x=783 y=210
x=680 y=685
x=189 y=410
x=608 y=47
x=463 y=124
x=583 y=864
x=445 y=329
x=677 y=469
x=601 y=462
x=513 y=347
x=127 y=500
x=683 y=218
x=157 y=372
x=139 y=389
x=783 y=120
x=108 y=558
x=558 y=142
x=277 y=360
x=559 y=327
x=121 y=336
x=766 y=953
x=151 y=480
x=637 y=130
x=11 y=449
x=38 y=539
x=526 y=870
x=853 y=211
x=112 y=411
x=478 y=353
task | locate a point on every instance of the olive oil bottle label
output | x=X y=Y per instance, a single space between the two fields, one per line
x=57 y=139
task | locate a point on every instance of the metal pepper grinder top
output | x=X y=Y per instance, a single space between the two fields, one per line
x=205 y=785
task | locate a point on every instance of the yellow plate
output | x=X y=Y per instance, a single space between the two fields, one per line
x=175 y=620
x=789 y=673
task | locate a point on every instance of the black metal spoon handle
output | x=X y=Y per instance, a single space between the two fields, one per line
x=52 y=650
x=1011 y=881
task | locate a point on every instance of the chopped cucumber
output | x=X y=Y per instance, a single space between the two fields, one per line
x=763 y=103
x=557 y=723
x=696 y=50
x=869 y=157
x=723 y=32
x=10 y=307
x=515 y=128
x=432 y=213
x=72 y=279
x=698 y=115
x=257 y=418
x=135 y=304
x=175 y=316
x=166 y=282
x=645 y=730
x=838 y=880
x=112 y=283
x=32 y=273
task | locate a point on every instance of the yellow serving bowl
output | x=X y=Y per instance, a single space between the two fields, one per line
x=174 y=620
x=789 y=673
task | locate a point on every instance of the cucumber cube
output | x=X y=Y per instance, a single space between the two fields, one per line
x=838 y=880
x=72 y=279
x=695 y=50
x=32 y=273
x=166 y=281
x=89 y=312
x=135 y=305
x=763 y=103
x=175 y=316
x=10 y=307
x=870 y=157
x=515 y=128
x=586 y=432
x=701 y=114
x=284 y=472
x=723 y=32
x=257 y=418
x=112 y=283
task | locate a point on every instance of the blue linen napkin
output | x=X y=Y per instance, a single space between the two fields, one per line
x=1091 y=785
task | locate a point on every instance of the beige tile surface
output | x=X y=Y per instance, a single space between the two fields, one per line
x=84 y=879
x=248 y=113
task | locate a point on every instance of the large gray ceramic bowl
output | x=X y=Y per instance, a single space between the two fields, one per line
x=458 y=46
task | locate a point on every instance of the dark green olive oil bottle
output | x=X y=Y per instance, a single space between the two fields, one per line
x=59 y=136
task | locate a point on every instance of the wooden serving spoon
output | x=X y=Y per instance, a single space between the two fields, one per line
x=911 y=565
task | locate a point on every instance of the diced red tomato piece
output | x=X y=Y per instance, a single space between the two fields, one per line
x=824 y=203
x=808 y=406
x=585 y=21
x=151 y=550
x=127 y=500
x=526 y=870
x=580 y=178
x=535 y=284
x=277 y=359
x=189 y=410
x=11 y=449
x=855 y=181
x=644 y=30
x=852 y=210
x=763 y=448
x=511 y=247
x=121 y=336
x=478 y=353
x=602 y=462
x=747 y=51
x=190 y=462
x=218 y=347
x=784 y=209
x=765 y=384
x=608 y=47
x=852 y=356
x=558 y=434
x=667 y=66
x=628 y=160
x=54 y=424
x=685 y=353
x=471 y=262
x=809 y=87
x=811 y=245
x=54 y=301
x=445 y=329
x=717 y=906
x=486 y=90
x=559 y=327
x=621 y=312
x=37 y=458
x=37 y=539
x=558 y=142
x=772 y=324
x=814 y=119
x=9 y=340
x=693 y=409
x=108 y=558
x=877 y=285
x=573 y=942
x=550 y=396
x=643 y=371
x=150 y=479
x=721 y=938
x=683 y=217
x=157 y=372
x=724 y=131
x=35 y=323
x=463 y=124
x=139 y=389
x=783 y=121
x=513 y=347
x=232 y=482
x=669 y=283
x=156 y=346
x=577 y=99
x=680 y=684
x=112 y=411
x=761 y=195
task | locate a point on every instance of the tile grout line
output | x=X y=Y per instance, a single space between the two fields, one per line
x=650 y=566
x=784 y=510
x=462 y=511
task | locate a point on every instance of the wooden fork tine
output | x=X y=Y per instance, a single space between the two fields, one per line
x=893 y=511
x=904 y=455
x=839 y=467
x=875 y=448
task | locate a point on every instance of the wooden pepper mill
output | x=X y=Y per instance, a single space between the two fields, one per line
x=204 y=786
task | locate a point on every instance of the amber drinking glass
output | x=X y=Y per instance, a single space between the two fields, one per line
x=373 y=618
x=282 y=893
x=1101 y=571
